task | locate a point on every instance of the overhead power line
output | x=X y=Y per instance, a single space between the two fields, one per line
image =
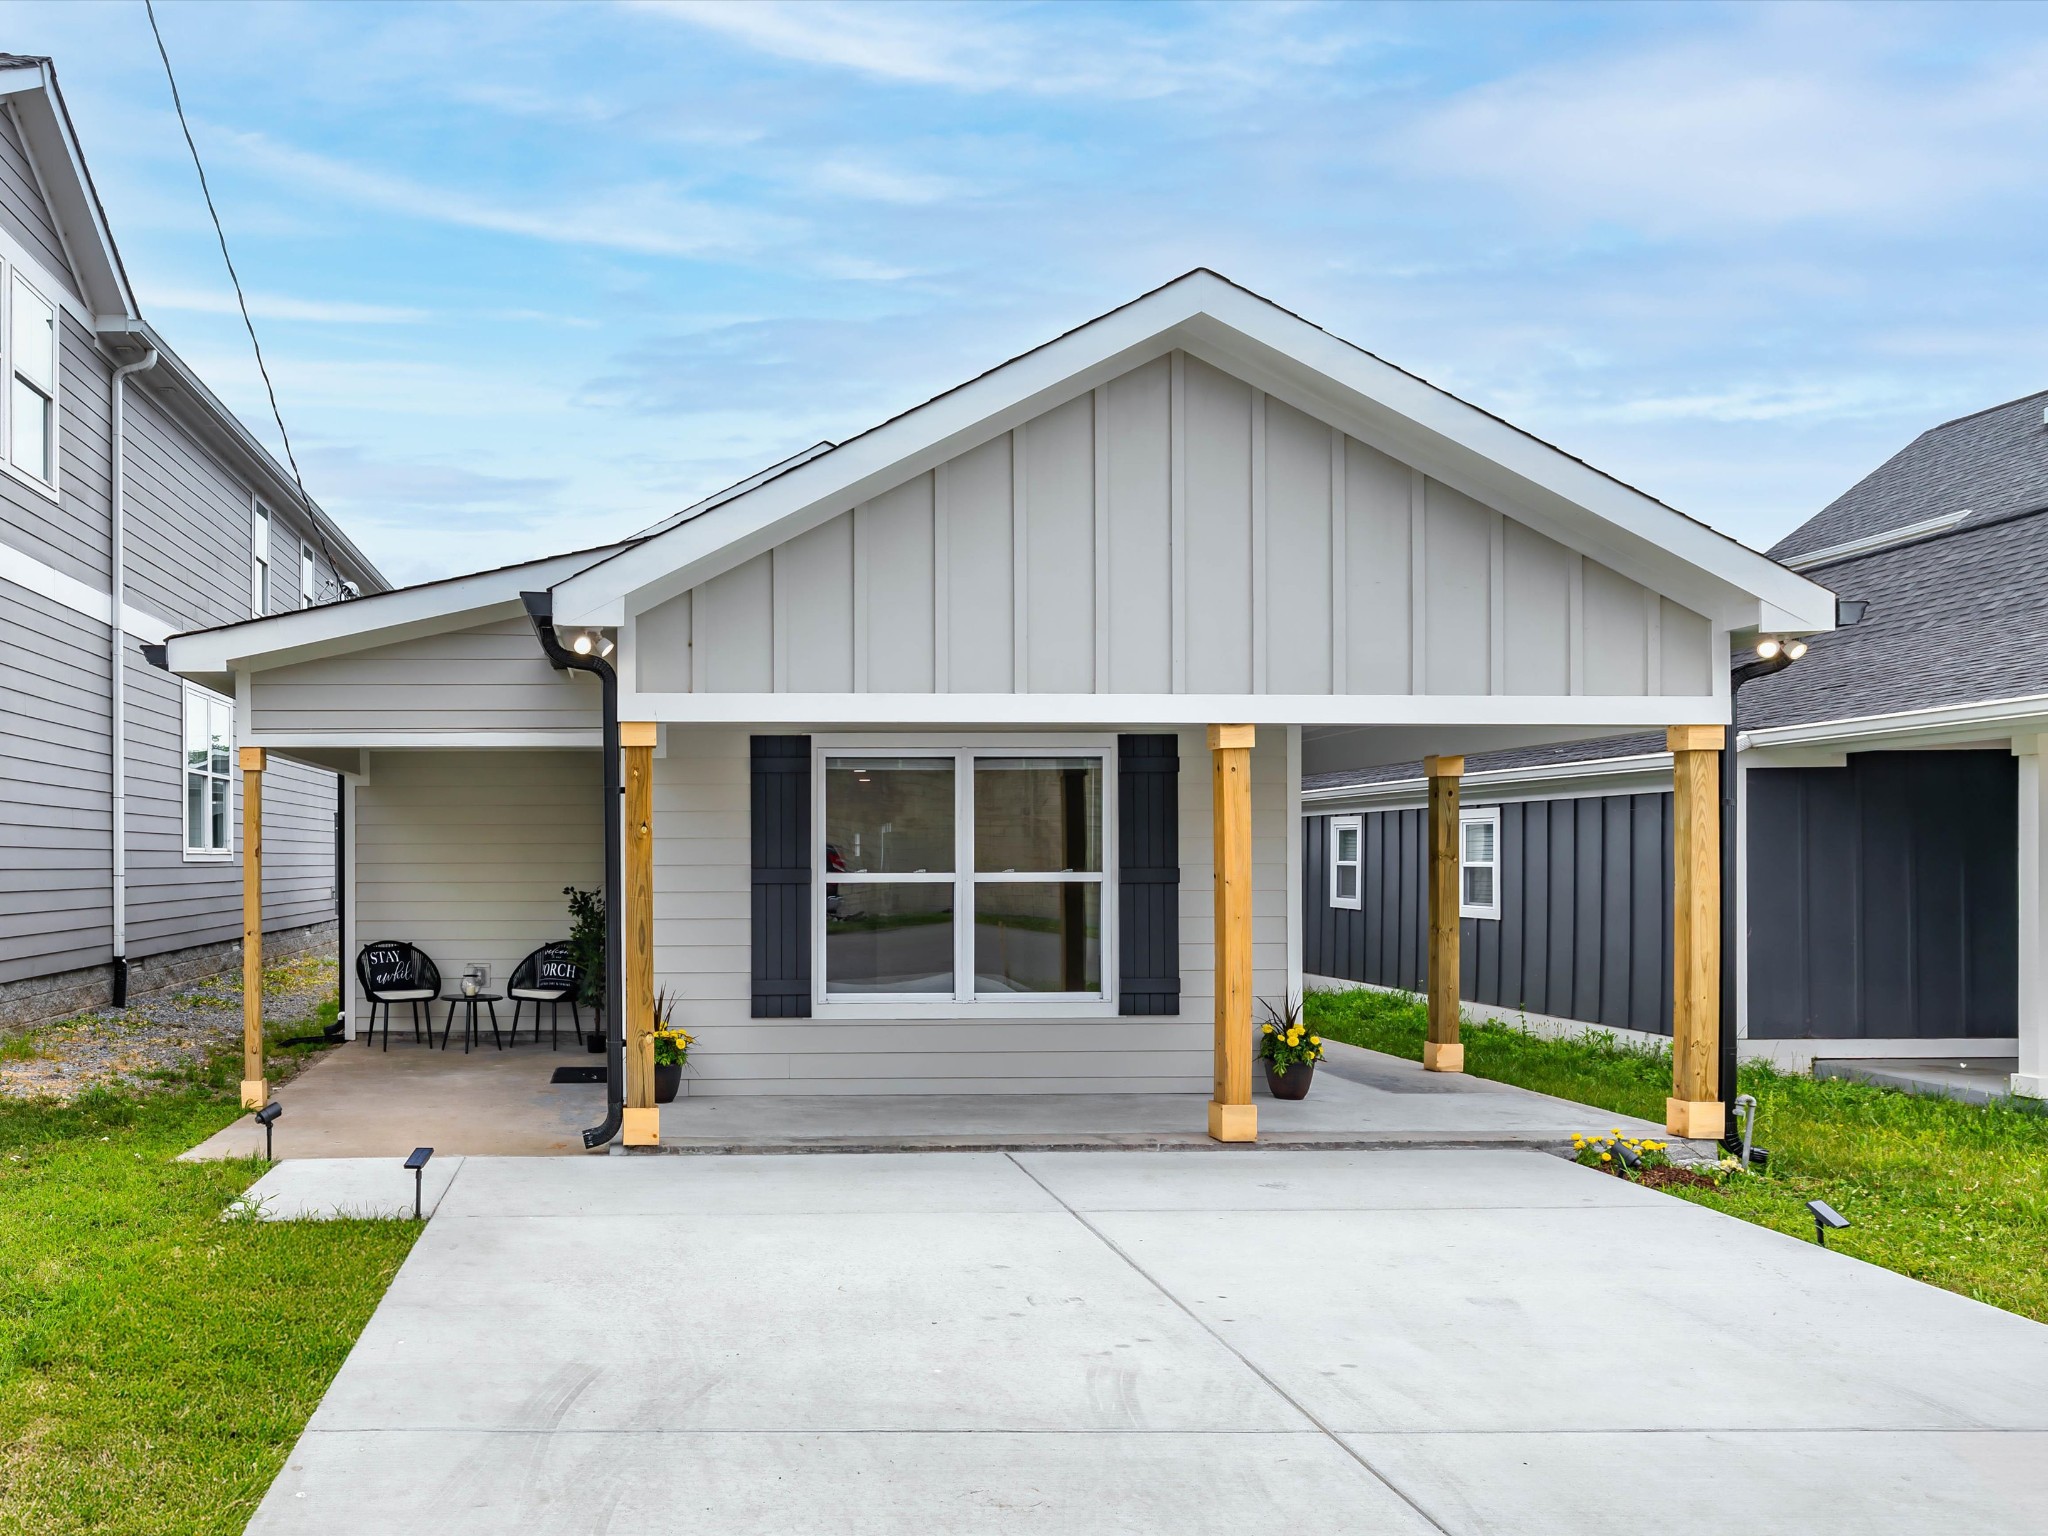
x=276 y=415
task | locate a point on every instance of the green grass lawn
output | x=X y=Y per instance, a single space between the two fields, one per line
x=1953 y=1194
x=157 y=1362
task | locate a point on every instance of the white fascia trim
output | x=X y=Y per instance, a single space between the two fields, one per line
x=66 y=185
x=336 y=628
x=2019 y=716
x=1201 y=307
x=24 y=570
x=1875 y=541
x=480 y=740
x=1071 y=709
x=1555 y=781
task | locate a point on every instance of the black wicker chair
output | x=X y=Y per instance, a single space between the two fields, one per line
x=392 y=971
x=549 y=975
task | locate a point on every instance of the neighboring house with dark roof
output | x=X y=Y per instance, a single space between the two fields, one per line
x=1892 y=893
x=132 y=505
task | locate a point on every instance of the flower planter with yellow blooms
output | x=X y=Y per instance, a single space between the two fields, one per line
x=1289 y=1051
x=671 y=1051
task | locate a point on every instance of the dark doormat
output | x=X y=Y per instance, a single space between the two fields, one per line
x=578 y=1075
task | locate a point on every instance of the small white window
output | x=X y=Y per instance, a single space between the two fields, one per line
x=307 y=575
x=32 y=393
x=1479 y=862
x=259 y=560
x=1347 y=837
x=209 y=774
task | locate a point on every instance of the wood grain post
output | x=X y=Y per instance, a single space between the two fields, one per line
x=1442 y=1051
x=255 y=1091
x=1232 y=1115
x=643 y=1116
x=1694 y=1109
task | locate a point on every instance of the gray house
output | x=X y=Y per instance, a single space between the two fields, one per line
x=132 y=505
x=1891 y=901
x=965 y=755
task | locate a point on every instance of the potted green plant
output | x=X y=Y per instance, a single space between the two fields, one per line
x=586 y=947
x=671 y=1049
x=1289 y=1051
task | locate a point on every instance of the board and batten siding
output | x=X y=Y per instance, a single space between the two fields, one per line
x=1884 y=897
x=465 y=854
x=702 y=900
x=1173 y=531
x=489 y=677
x=1585 y=925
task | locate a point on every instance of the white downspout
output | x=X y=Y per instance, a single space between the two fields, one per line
x=117 y=614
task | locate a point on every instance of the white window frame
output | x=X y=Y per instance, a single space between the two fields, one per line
x=1356 y=826
x=1487 y=815
x=14 y=274
x=964 y=1003
x=204 y=698
x=260 y=587
x=309 y=573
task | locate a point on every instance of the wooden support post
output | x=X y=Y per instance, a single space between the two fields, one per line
x=1442 y=1051
x=1694 y=1109
x=643 y=1117
x=255 y=1091
x=1232 y=1115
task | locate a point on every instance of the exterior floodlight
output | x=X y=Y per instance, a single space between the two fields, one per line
x=605 y=647
x=267 y=1117
x=1795 y=649
x=1768 y=649
x=583 y=644
x=418 y=1164
x=1825 y=1217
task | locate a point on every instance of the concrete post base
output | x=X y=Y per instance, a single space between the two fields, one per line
x=1695 y=1119
x=1233 y=1122
x=642 y=1128
x=1438 y=1057
x=2028 y=1086
x=255 y=1092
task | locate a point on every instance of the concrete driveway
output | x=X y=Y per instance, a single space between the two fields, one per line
x=1174 y=1342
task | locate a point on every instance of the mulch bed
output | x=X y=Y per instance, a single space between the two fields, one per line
x=1664 y=1178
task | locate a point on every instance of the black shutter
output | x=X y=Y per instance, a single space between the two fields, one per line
x=781 y=820
x=1148 y=874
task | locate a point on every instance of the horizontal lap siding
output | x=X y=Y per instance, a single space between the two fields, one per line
x=465 y=853
x=1884 y=897
x=22 y=210
x=1585 y=925
x=68 y=532
x=702 y=899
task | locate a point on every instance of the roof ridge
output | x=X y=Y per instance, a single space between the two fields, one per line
x=1986 y=411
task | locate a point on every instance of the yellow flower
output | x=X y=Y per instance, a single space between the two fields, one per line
x=1606 y=1157
x=1315 y=1039
x=1269 y=1029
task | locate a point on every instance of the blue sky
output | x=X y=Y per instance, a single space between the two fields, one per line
x=533 y=276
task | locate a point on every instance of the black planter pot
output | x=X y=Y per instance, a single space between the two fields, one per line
x=666 y=1081
x=1291 y=1084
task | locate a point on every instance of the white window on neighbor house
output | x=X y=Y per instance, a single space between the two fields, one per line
x=32 y=384
x=1347 y=842
x=1479 y=862
x=964 y=875
x=209 y=774
x=259 y=560
x=307 y=575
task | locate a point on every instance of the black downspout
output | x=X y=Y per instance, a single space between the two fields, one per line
x=1731 y=808
x=540 y=607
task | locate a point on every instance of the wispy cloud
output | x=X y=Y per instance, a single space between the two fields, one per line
x=274 y=306
x=648 y=218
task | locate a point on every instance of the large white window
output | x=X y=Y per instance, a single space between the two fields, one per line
x=964 y=875
x=1479 y=862
x=32 y=384
x=1347 y=838
x=308 y=573
x=209 y=774
x=259 y=560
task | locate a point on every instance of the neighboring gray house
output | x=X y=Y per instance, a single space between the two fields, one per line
x=1894 y=803
x=126 y=489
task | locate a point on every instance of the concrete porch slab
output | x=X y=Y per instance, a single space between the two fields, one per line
x=332 y=1188
x=1980 y=1080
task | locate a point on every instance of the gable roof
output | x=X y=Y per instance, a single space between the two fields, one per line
x=1210 y=317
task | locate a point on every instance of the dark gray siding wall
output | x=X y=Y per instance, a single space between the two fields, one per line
x=55 y=783
x=1585 y=925
x=1883 y=897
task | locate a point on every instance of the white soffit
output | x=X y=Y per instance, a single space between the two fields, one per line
x=1291 y=358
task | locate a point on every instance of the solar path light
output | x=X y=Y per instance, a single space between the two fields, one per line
x=1825 y=1216
x=418 y=1164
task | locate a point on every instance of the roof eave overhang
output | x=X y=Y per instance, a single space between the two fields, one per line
x=31 y=90
x=1317 y=372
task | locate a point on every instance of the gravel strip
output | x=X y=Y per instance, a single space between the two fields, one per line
x=156 y=1039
